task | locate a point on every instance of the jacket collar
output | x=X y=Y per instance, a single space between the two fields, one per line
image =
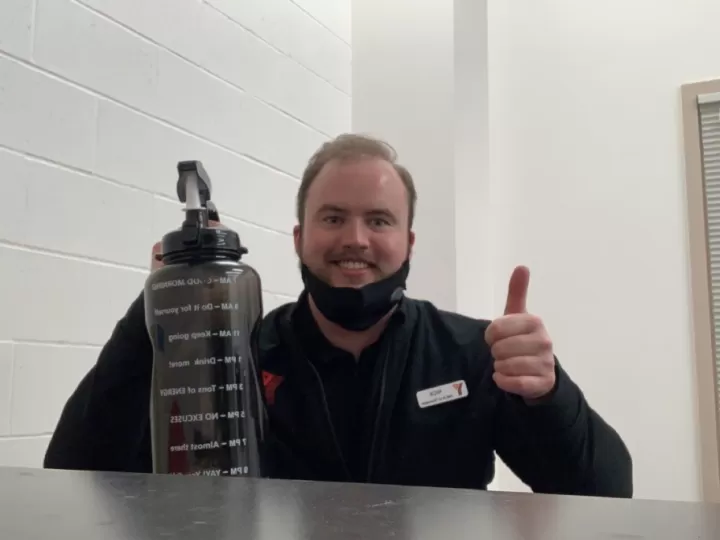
x=278 y=328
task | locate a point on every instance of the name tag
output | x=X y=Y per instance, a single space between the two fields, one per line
x=442 y=394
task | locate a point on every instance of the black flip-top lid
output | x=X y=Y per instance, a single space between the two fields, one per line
x=202 y=243
x=195 y=240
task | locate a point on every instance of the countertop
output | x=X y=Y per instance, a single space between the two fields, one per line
x=46 y=504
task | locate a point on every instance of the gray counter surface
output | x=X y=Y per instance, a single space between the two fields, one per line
x=40 y=504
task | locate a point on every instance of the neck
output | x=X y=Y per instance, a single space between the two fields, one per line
x=347 y=340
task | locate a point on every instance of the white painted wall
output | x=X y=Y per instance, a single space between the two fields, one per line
x=579 y=176
x=99 y=99
x=586 y=147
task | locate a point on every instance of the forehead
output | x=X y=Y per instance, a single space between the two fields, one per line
x=358 y=183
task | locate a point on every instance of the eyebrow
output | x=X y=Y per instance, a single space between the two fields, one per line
x=331 y=208
x=377 y=212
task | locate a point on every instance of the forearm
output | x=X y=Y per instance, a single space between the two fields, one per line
x=103 y=422
x=561 y=445
x=585 y=455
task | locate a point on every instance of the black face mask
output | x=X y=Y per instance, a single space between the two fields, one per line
x=356 y=309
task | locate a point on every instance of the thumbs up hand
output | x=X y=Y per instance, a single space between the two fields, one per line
x=522 y=349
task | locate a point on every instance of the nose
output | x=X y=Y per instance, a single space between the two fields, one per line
x=355 y=234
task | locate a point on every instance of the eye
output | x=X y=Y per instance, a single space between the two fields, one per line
x=379 y=222
x=332 y=220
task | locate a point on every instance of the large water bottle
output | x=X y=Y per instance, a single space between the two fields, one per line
x=203 y=309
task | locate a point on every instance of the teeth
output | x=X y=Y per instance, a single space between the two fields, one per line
x=353 y=265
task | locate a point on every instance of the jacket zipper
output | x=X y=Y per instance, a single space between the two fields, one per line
x=397 y=352
x=328 y=419
x=297 y=351
x=376 y=423
x=378 y=412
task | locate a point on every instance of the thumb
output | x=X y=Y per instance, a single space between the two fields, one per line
x=517 y=291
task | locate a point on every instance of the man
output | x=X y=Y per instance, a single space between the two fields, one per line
x=369 y=385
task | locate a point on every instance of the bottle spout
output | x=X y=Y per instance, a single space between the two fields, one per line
x=194 y=187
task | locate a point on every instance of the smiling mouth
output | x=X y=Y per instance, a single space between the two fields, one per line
x=353 y=265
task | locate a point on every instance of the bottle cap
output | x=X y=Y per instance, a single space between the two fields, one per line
x=196 y=239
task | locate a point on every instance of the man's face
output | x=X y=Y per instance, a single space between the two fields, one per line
x=356 y=229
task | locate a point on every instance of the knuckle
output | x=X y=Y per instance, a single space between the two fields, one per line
x=545 y=342
x=523 y=385
x=534 y=321
x=492 y=335
x=489 y=334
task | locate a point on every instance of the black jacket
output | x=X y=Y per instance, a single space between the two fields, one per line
x=558 y=446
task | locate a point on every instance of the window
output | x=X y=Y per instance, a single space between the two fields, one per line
x=701 y=124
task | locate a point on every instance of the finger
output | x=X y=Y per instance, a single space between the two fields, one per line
x=535 y=343
x=213 y=214
x=527 y=386
x=517 y=291
x=216 y=225
x=522 y=366
x=512 y=325
x=156 y=259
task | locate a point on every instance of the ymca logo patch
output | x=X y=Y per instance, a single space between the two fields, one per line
x=270 y=385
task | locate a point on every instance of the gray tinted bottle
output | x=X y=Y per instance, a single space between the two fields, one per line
x=203 y=309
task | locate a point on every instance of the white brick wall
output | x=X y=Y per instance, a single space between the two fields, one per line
x=99 y=99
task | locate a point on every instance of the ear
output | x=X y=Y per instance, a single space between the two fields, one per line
x=297 y=237
x=411 y=243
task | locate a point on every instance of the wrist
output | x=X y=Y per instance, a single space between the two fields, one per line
x=545 y=398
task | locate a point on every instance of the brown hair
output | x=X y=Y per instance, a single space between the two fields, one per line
x=351 y=146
